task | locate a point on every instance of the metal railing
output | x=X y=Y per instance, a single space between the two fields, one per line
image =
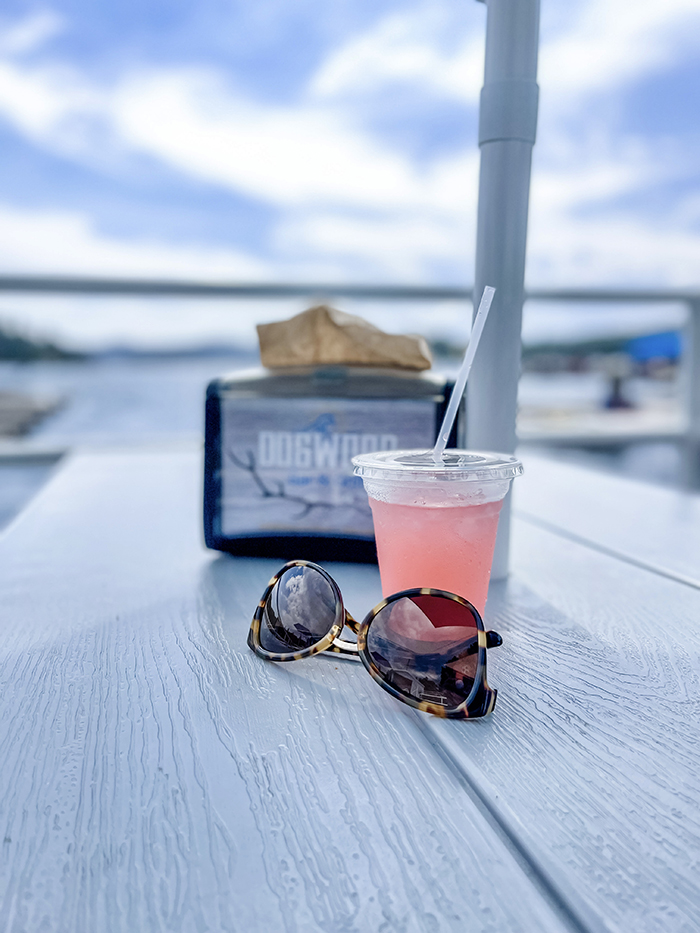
x=688 y=438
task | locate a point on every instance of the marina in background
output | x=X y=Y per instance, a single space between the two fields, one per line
x=125 y=399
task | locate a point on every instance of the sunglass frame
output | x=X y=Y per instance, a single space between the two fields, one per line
x=481 y=699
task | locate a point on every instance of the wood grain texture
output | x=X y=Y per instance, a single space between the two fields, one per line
x=653 y=524
x=594 y=748
x=157 y=776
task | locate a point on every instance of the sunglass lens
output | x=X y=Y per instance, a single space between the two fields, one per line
x=300 y=610
x=426 y=647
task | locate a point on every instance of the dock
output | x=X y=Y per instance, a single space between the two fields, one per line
x=19 y=412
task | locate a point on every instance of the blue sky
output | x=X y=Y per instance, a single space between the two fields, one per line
x=305 y=140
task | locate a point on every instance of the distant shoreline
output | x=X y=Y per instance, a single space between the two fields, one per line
x=19 y=348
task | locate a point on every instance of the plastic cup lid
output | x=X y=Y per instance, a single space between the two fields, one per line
x=419 y=466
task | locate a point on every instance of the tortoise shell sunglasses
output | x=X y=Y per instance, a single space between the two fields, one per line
x=425 y=647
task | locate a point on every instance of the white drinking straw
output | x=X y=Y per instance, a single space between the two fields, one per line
x=460 y=384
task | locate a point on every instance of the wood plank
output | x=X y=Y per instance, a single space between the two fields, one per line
x=592 y=756
x=654 y=525
x=18 y=483
x=158 y=776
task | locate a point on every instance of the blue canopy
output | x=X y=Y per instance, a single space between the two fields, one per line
x=666 y=345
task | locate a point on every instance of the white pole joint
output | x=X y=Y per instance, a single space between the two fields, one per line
x=508 y=110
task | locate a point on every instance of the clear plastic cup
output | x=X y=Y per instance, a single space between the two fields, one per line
x=435 y=524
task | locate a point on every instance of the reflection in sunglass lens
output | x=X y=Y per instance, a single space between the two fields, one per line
x=300 y=610
x=426 y=648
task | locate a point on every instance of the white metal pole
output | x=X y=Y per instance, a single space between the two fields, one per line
x=690 y=363
x=507 y=126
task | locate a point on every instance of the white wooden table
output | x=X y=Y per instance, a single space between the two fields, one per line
x=156 y=776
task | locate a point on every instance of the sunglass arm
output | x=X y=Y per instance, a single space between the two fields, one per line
x=351 y=623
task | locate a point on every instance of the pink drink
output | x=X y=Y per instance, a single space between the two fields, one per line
x=435 y=523
x=443 y=548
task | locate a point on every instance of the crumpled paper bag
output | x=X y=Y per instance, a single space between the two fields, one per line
x=323 y=336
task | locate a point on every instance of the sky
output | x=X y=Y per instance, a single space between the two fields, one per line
x=299 y=140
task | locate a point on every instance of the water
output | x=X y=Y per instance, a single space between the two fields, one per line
x=110 y=402
x=136 y=401
x=120 y=401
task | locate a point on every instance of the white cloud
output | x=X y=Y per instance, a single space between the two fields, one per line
x=306 y=159
x=405 y=48
x=39 y=99
x=300 y=155
x=29 y=33
x=611 y=248
x=591 y=178
x=607 y=45
x=350 y=205
x=585 y=166
x=65 y=242
x=293 y=155
x=404 y=247
x=286 y=155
